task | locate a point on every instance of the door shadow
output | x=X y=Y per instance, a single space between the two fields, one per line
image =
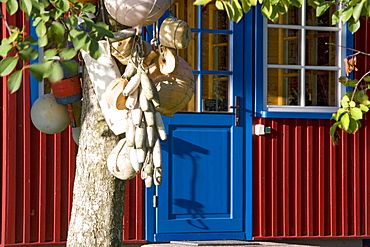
x=195 y=209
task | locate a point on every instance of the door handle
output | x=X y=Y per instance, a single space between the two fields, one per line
x=237 y=108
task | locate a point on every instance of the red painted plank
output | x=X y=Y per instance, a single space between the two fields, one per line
x=42 y=189
x=333 y=190
x=26 y=157
x=286 y=186
x=309 y=174
x=321 y=177
x=57 y=187
x=298 y=179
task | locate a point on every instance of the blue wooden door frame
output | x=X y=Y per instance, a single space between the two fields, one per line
x=244 y=49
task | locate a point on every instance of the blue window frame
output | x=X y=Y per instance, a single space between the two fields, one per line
x=298 y=77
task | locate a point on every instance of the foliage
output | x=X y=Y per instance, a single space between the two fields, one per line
x=353 y=105
x=349 y=10
x=62 y=28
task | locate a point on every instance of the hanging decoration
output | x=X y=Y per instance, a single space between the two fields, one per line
x=137 y=13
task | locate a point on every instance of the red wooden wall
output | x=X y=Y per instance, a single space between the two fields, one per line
x=37 y=172
x=304 y=187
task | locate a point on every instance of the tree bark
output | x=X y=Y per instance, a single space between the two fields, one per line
x=97 y=208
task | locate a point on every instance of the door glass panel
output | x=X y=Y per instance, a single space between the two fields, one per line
x=215 y=51
x=212 y=18
x=215 y=93
x=323 y=20
x=185 y=10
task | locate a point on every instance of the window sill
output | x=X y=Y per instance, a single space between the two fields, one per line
x=297 y=112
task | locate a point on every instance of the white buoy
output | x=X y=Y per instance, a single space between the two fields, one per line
x=48 y=116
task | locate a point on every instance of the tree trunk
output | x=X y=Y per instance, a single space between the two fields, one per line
x=97 y=208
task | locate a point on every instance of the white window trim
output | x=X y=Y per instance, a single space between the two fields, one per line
x=340 y=50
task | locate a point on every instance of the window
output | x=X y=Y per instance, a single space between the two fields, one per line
x=302 y=60
x=208 y=54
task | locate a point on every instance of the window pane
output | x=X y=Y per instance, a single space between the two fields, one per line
x=283 y=87
x=321 y=87
x=215 y=93
x=215 y=52
x=283 y=46
x=292 y=17
x=212 y=18
x=324 y=20
x=318 y=52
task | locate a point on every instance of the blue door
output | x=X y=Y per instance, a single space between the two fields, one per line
x=204 y=193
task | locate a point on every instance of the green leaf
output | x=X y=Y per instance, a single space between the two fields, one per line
x=12 y=6
x=26 y=6
x=15 y=81
x=364 y=108
x=62 y=5
x=202 y=2
x=28 y=53
x=13 y=37
x=49 y=54
x=43 y=41
x=344 y=121
x=40 y=70
x=344 y=101
x=246 y=5
x=5 y=49
x=219 y=5
x=7 y=65
x=353 y=126
x=72 y=22
x=89 y=8
x=356 y=113
x=29 y=41
x=266 y=9
x=333 y=129
x=346 y=14
x=335 y=18
x=78 y=38
x=229 y=9
x=41 y=29
x=94 y=49
x=353 y=25
x=238 y=11
x=56 y=72
x=67 y=53
x=367 y=79
x=352 y=104
x=357 y=10
x=57 y=28
x=253 y=2
x=323 y=7
x=339 y=113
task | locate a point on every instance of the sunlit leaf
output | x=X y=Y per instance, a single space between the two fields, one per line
x=26 y=6
x=5 y=49
x=323 y=7
x=344 y=101
x=345 y=121
x=57 y=28
x=67 y=53
x=7 y=65
x=202 y=2
x=40 y=70
x=353 y=25
x=364 y=108
x=56 y=73
x=346 y=14
x=40 y=29
x=12 y=6
x=238 y=12
x=357 y=10
x=15 y=81
x=353 y=126
x=246 y=5
x=43 y=41
x=356 y=113
x=220 y=6
x=49 y=54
